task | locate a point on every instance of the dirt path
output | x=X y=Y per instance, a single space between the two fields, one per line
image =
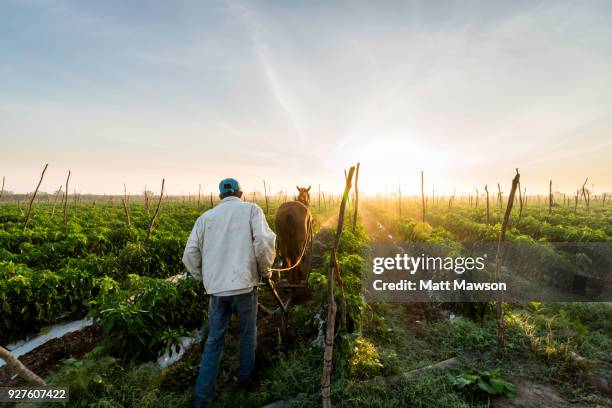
x=374 y=227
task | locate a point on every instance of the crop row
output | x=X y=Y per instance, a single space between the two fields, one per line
x=536 y=260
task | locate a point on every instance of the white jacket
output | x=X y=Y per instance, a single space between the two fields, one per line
x=230 y=247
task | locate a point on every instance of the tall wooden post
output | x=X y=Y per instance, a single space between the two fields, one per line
x=584 y=195
x=266 y=197
x=331 y=303
x=27 y=218
x=498 y=262
x=576 y=201
x=550 y=197
x=126 y=205
x=520 y=201
x=76 y=200
x=146 y=200
x=423 y=194
x=59 y=191
x=66 y=198
x=356 y=204
x=487 y=191
x=18 y=367
x=152 y=222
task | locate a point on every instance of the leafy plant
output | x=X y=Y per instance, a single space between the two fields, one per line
x=483 y=382
x=363 y=360
x=149 y=316
x=86 y=377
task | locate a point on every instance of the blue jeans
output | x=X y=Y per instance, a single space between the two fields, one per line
x=219 y=315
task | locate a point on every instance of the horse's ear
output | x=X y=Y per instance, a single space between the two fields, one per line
x=308 y=189
x=298 y=188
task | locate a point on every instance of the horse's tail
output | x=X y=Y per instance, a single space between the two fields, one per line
x=290 y=236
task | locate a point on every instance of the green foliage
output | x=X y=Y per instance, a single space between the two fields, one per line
x=413 y=231
x=301 y=320
x=351 y=243
x=351 y=266
x=150 y=316
x=31 y=298
x=362 y=358
x=86 y=378
x=98 y=380
x=58 y=271
x=52 y=271
x=487 y=382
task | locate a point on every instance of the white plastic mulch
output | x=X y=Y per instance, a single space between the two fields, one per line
x=168 y=359
x=25 y=346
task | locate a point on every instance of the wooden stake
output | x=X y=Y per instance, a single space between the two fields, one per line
x=126 y=204
x=2 y=189
x=487 y=191
x=161 y=195
x=146 y=200
x=76 y=198
x=27 y=218
x=356 y=204
x=59 y=191
x=20 y=369
x=584 y=194
x=520 y=200
x=266 y=196
x=423 y=194
x=498 y=262
x=331 y=303
x=66 y=198
x=550 y=197
x=576 y=201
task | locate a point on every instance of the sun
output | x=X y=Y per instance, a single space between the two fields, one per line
x=389 y=163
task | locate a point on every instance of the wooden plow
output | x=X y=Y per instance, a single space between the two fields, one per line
x=283 y=306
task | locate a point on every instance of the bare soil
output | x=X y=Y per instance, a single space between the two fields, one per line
x=45 y=359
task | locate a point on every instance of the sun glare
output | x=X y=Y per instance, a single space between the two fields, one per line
x=391 y=163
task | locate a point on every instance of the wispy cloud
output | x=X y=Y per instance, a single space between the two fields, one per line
x=297 y=91
x=279 y=90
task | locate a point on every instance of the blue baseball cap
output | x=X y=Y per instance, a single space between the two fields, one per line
x=229 y=185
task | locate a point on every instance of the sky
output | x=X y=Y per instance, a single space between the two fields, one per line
x=295 y=92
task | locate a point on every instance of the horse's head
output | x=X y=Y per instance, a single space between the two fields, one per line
x=304 y=195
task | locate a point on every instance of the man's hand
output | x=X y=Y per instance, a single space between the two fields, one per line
x=270 y=284
x=266 y=275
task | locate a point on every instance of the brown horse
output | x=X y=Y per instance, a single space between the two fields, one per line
x=293 y=223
